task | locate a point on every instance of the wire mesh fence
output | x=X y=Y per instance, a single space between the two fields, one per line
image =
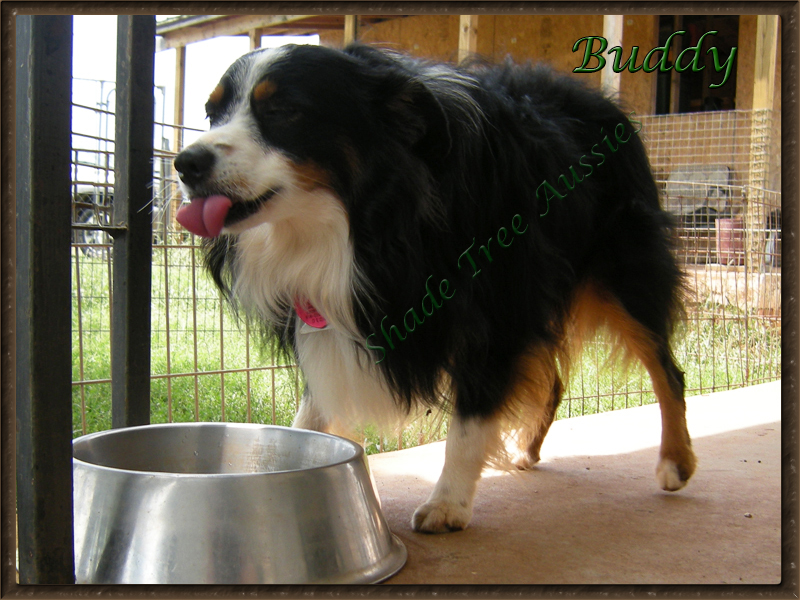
x=744 y=145
x=207 y=366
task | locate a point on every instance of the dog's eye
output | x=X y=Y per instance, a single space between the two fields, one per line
x=215 y=101
x=212 y=112
x=282 y=114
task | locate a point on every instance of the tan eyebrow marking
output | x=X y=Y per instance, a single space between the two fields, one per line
x=216 y=95
x=264 y=90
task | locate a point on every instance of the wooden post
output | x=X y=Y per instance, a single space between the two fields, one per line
x=467 y=37
x=760 y=137
x=766 y=59
x=612 y=31
x=255 y=38
x=351 y=28
x=133 y=194
x=180 y=87
x=43 y=302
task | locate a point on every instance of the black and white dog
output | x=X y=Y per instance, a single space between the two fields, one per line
x=419 y=234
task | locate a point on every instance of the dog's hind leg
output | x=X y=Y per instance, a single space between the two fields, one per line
x=469 y=442
x=535 y=394
x=676 y=459
x=639 y=298
x=537 y=435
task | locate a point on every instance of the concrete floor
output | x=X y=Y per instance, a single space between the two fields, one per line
x=591 y=512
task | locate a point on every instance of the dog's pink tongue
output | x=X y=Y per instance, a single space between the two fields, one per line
x=204 y=216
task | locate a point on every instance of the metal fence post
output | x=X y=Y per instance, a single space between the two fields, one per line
x=43 y=300
x=130 y=346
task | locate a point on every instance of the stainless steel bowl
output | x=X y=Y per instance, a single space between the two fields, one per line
x=227 y=503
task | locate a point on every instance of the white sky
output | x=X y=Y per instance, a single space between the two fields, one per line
x=205 y=64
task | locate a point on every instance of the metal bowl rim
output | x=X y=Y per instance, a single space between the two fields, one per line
x=359 y=451
x=400 y=558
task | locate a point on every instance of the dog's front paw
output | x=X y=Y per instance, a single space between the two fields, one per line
x=441 y=517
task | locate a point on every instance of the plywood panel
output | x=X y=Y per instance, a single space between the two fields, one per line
x=331 y=38
x=546 y=38
x=385 y=34
x=429 y=36
x=746 y=61
x=486 y=37
x=638 y=90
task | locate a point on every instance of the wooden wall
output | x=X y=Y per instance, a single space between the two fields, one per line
x=536 y=38
x=426 y=36
x=549 y=39
x=545 y=38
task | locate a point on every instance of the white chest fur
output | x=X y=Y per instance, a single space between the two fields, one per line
x=344 y=386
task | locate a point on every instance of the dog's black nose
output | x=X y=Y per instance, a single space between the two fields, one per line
x=194 y=164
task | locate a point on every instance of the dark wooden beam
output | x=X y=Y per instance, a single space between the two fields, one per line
x=44 y=299
x=133 y=194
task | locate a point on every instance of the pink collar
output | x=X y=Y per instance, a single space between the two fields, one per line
x=309 y=315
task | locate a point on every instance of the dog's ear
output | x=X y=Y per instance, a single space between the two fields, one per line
x=414 y=112
x=410 y=109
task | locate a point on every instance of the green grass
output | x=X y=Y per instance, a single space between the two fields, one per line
x=717 y=353
x=219 y=342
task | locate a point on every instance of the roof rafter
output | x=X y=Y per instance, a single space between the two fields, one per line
x=187 y=29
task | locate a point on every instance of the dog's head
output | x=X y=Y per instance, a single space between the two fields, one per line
x=296 y=124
